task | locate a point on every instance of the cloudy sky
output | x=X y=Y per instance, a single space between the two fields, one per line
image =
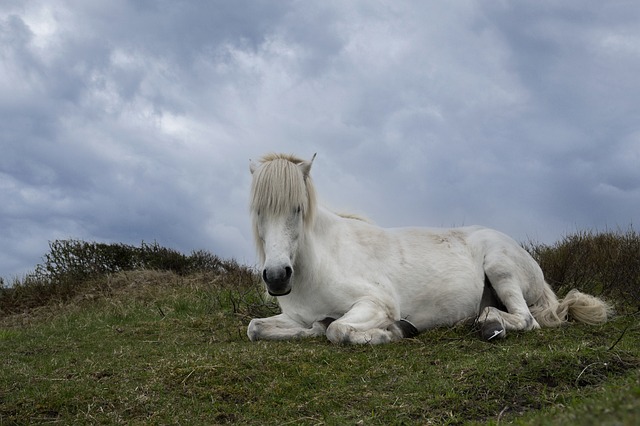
x=124 y=121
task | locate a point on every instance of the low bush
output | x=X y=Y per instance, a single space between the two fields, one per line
x=71 y=266
x=80 y=260
x=600 y=263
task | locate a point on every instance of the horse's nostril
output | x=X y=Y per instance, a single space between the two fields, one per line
x=264 y=275
x=288 y=271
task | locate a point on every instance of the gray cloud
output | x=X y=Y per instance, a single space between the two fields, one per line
x=126 y=121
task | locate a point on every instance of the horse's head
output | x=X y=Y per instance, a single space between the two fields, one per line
x=282 y=205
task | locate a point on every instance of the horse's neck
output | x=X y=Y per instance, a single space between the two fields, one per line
x=324 y=223
x=309 y=250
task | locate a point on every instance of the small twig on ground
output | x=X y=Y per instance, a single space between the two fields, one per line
x=585 y=369
x=506 y=407
x=620 y=338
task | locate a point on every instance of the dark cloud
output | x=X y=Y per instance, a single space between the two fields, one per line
x=127 y=121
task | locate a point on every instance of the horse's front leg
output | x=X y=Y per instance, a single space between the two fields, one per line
x=370 y=321
x=283 y=327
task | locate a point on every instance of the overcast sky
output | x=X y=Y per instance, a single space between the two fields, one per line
x=124 y=121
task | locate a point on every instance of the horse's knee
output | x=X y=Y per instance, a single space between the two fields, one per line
x=344 y=334
x=347 y=334
x=338 y=333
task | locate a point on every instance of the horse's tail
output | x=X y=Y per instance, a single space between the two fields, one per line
x=551 y=312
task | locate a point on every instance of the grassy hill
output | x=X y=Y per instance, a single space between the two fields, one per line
x=115 y=334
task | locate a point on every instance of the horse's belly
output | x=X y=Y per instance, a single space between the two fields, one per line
x=445 y=309
x=439 y=283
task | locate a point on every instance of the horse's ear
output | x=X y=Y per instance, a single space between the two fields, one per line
x=305 y=166
x=252 y=166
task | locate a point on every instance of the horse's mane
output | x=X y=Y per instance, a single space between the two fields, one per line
x=279 y=186
x=354 y=216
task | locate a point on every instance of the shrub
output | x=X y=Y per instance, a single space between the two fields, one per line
x=600 y=263
x=70 y=265
x=80 y=260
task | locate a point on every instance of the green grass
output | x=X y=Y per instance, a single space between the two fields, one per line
x=158 y=348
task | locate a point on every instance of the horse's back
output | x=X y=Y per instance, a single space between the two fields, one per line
x=437 y=251
x=408 y=248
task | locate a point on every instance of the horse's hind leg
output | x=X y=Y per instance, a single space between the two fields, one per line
x=495 y=322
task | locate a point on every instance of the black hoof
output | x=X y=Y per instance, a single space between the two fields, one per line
x=408 y=330
x=492 y=330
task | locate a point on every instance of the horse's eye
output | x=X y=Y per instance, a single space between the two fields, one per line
x=298 y=210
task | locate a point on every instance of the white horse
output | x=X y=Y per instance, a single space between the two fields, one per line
x=355 y=282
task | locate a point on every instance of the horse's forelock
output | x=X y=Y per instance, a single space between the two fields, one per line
x=279 y=187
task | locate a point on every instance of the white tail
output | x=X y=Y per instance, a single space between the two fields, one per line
x=551 y=312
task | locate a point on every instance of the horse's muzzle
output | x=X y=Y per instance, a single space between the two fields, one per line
x=278 y=280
